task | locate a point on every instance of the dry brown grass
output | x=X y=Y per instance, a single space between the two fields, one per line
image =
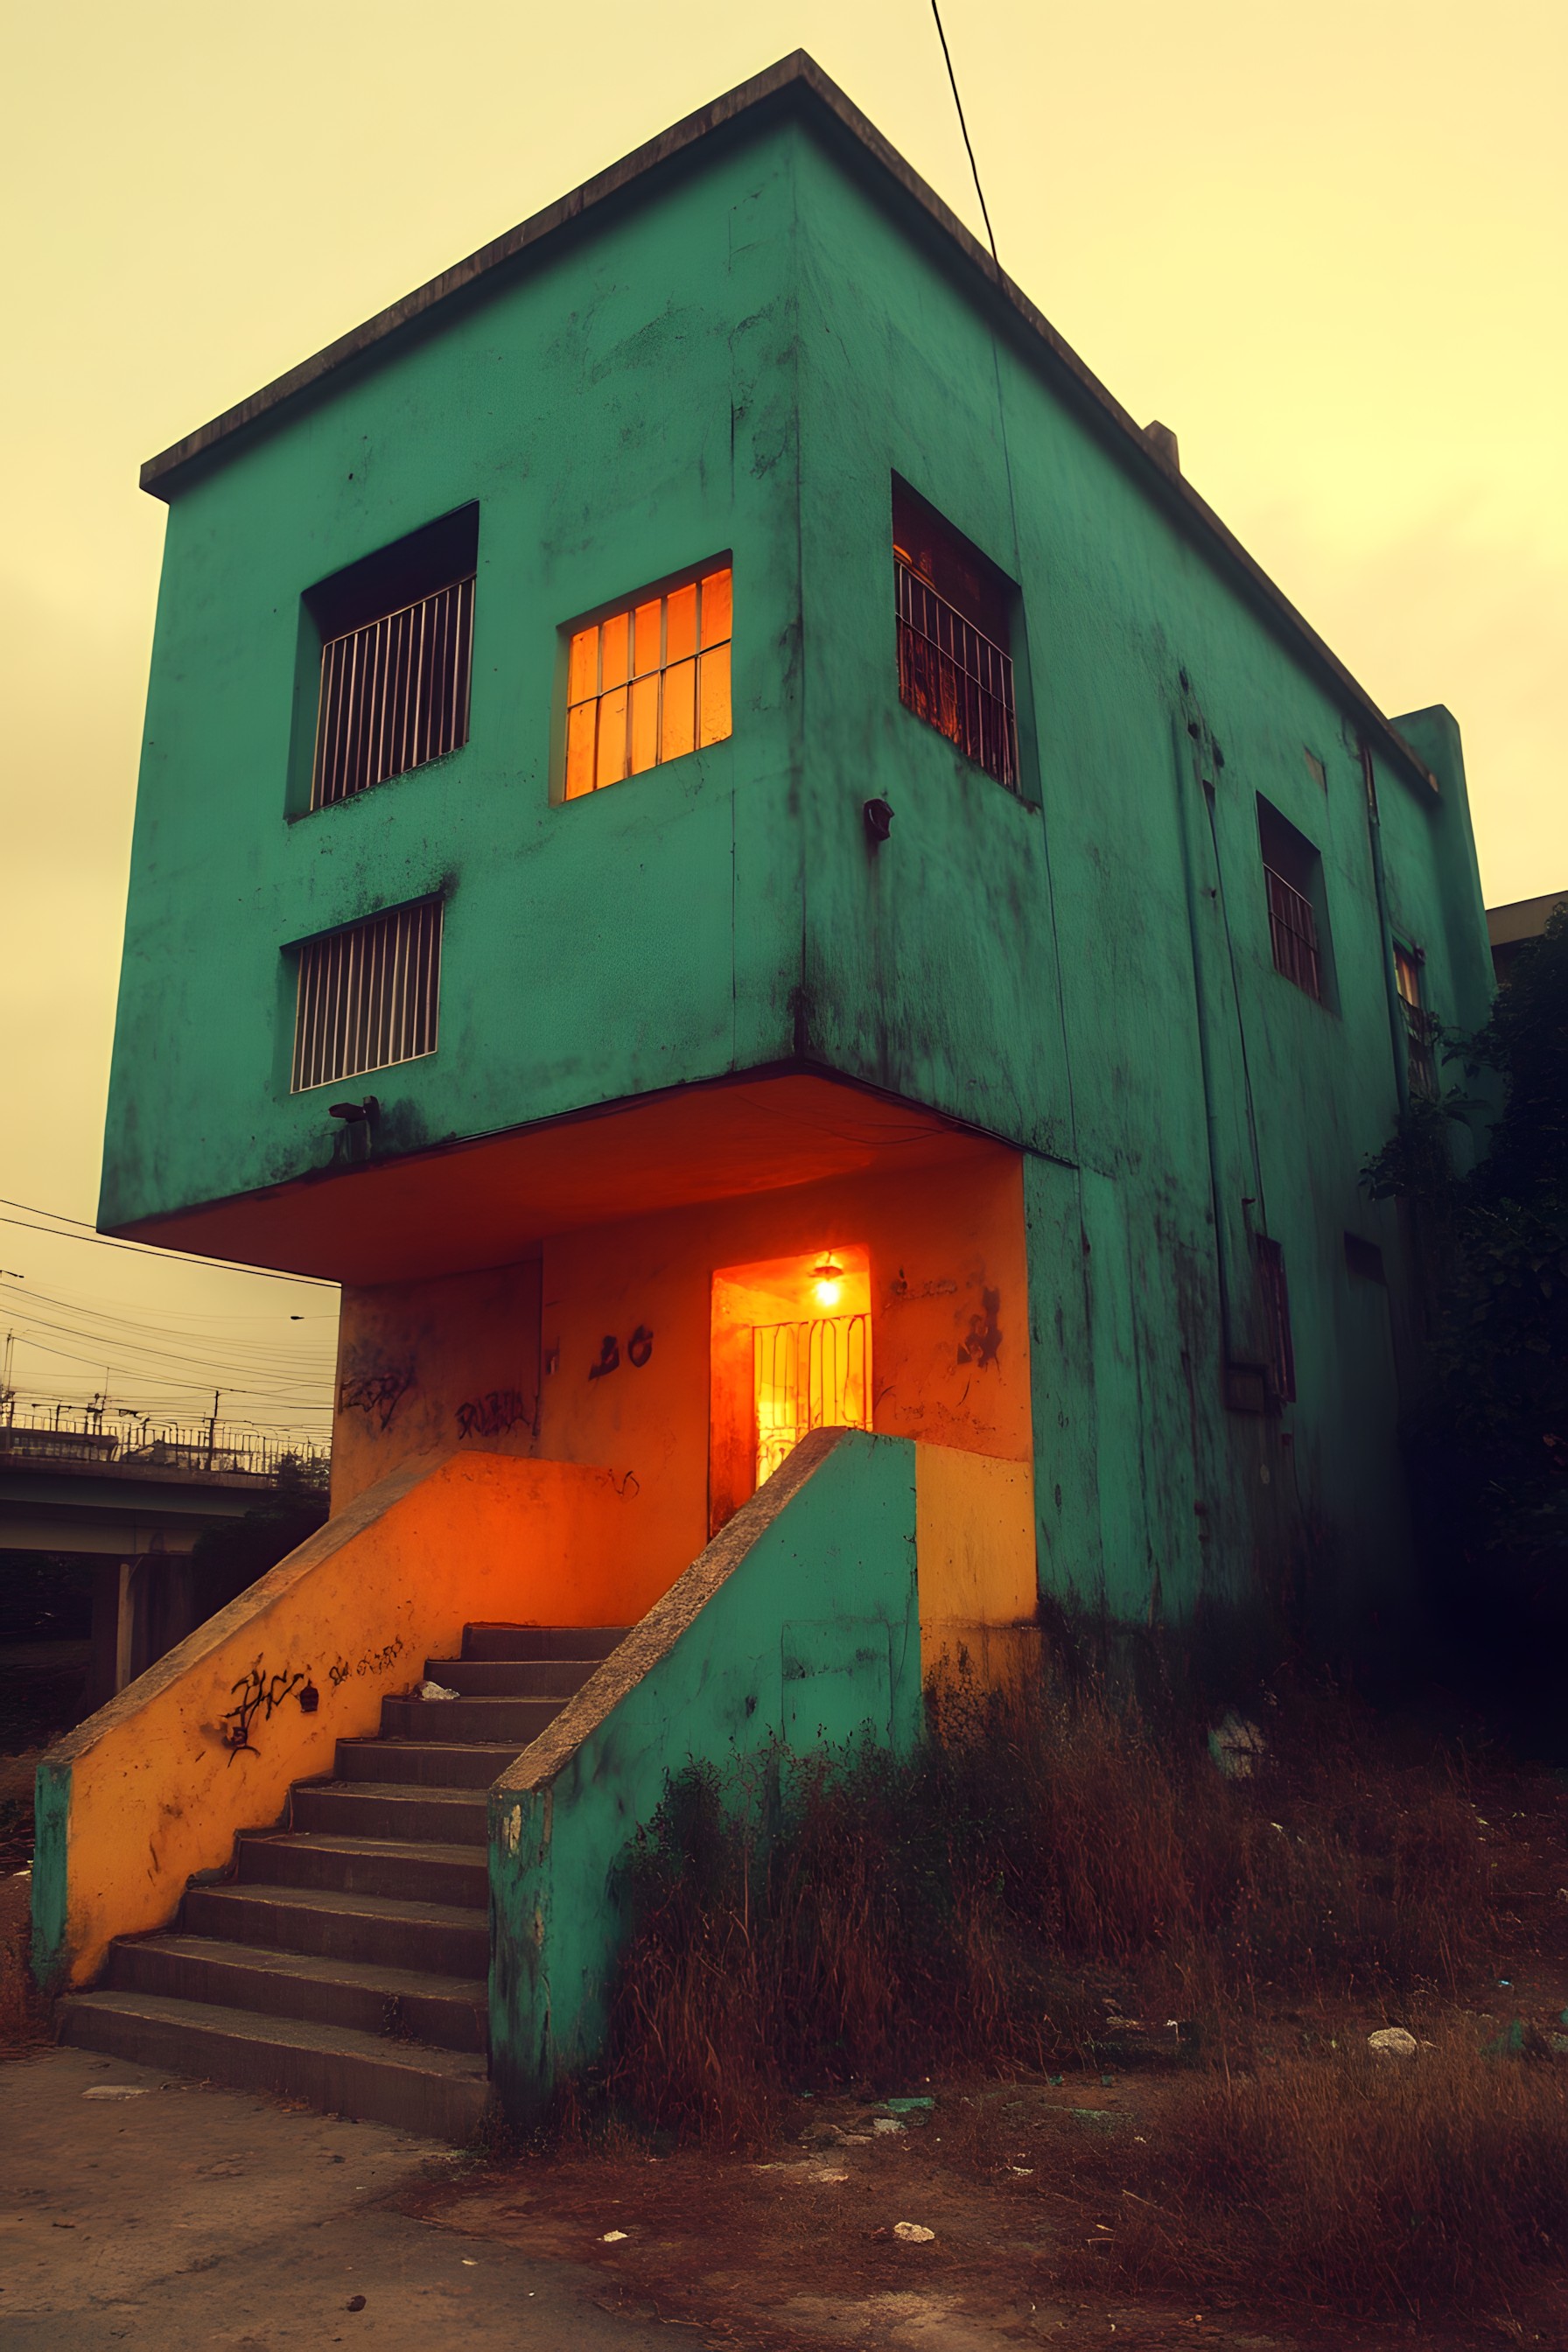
x=862 y=1919
x=1359 y=2184
x=24 y=2013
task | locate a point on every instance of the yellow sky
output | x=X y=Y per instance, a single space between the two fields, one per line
x=1325 y=243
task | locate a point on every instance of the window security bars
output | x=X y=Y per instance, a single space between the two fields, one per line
x=649 y=684
x=808 y=1375
x=1293 y=934
x=955 y=678
x=394 y=694
x=1419 y=1031
x=367 y=996
x=1276 y=1311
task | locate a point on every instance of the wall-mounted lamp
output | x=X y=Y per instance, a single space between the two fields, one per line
x=353 y=1112
x=828 y=1277
x=879 y=818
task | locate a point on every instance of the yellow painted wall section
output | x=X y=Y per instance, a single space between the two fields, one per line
x=156 y=1787
x=949 y=1309
x=435 y=1368
x=974 y=1539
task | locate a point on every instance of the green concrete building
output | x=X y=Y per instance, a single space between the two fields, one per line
x=728 y=844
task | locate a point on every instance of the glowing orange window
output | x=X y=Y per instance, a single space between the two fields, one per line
x=648 y=684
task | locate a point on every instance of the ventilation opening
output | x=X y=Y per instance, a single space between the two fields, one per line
x=367 y=996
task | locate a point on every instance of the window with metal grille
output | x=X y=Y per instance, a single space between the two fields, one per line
x=367 y=996
x=808 y=1375
x=1419 y=1036
x=649 y=682
x=394 y=694
x=397 y=639
x=953 y=609
x=1277 y=1312
x=1292 y=874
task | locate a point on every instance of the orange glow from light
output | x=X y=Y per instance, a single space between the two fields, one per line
x=829 y=1283
x=648 y=684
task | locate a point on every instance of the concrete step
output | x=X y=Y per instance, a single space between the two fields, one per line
x=542 y=1641
x=488 y=1722
x=374 y=1929
x=429 y=1763
x=440 y=2093
x=381 y=1808
x=363 y=1865
x=451 y=2012
x=553 y=1678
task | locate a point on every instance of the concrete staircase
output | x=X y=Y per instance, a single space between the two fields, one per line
x=345 y=1959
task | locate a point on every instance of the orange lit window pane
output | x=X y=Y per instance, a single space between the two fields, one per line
x=580 y=749
x=649 y=628
x=641 y=688
x=614 y=645
x=583 y=676
x=612 y=764
x=680 y=638
x=716 y=608
x=713 y=696
x=645 y=724
x=679 y=692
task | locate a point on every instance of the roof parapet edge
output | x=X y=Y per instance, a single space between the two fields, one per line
x=797 y=71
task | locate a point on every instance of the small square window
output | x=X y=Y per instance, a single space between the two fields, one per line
x=649 y=682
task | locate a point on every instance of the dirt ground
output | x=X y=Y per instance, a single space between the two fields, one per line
x=799 y=2252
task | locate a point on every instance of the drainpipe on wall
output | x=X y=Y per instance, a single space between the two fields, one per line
x=1380 y=888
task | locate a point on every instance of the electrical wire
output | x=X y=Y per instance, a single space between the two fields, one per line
x=963 y=126
x=142 y=1249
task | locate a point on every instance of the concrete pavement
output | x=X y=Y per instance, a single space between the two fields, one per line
x=189 y=2215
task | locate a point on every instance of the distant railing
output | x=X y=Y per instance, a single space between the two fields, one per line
x=40 y=1433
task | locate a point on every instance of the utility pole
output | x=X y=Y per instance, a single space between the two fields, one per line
x=8 y=1394
x=212 y=1428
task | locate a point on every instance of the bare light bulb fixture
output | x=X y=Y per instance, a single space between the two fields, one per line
x=828 y=1277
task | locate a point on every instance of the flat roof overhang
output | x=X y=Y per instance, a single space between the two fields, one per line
x=492 y=1201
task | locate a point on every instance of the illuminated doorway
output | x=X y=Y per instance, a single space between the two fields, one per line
x=791 y=1352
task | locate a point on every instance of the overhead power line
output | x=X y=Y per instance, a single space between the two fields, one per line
x=142 y=1249
x=963 y=126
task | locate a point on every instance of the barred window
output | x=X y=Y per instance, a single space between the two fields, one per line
x=955 y=670
x=394 y=694
x=1419 y=1032
x=368 y=995
x=1281 y=1365
x=1291 y=875
x=397 y=636
x=649 y=683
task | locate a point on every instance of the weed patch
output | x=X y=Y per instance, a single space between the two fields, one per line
x=858 y=1918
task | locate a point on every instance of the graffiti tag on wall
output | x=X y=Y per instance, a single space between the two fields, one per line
x=984 y=1337
x=255 y=1694
x=496 y=1414
x=375 y=1394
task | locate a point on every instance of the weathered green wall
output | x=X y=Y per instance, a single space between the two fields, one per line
x=1092 y=975
x=622 y=409
x=739 y=354
x=799 y=1625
